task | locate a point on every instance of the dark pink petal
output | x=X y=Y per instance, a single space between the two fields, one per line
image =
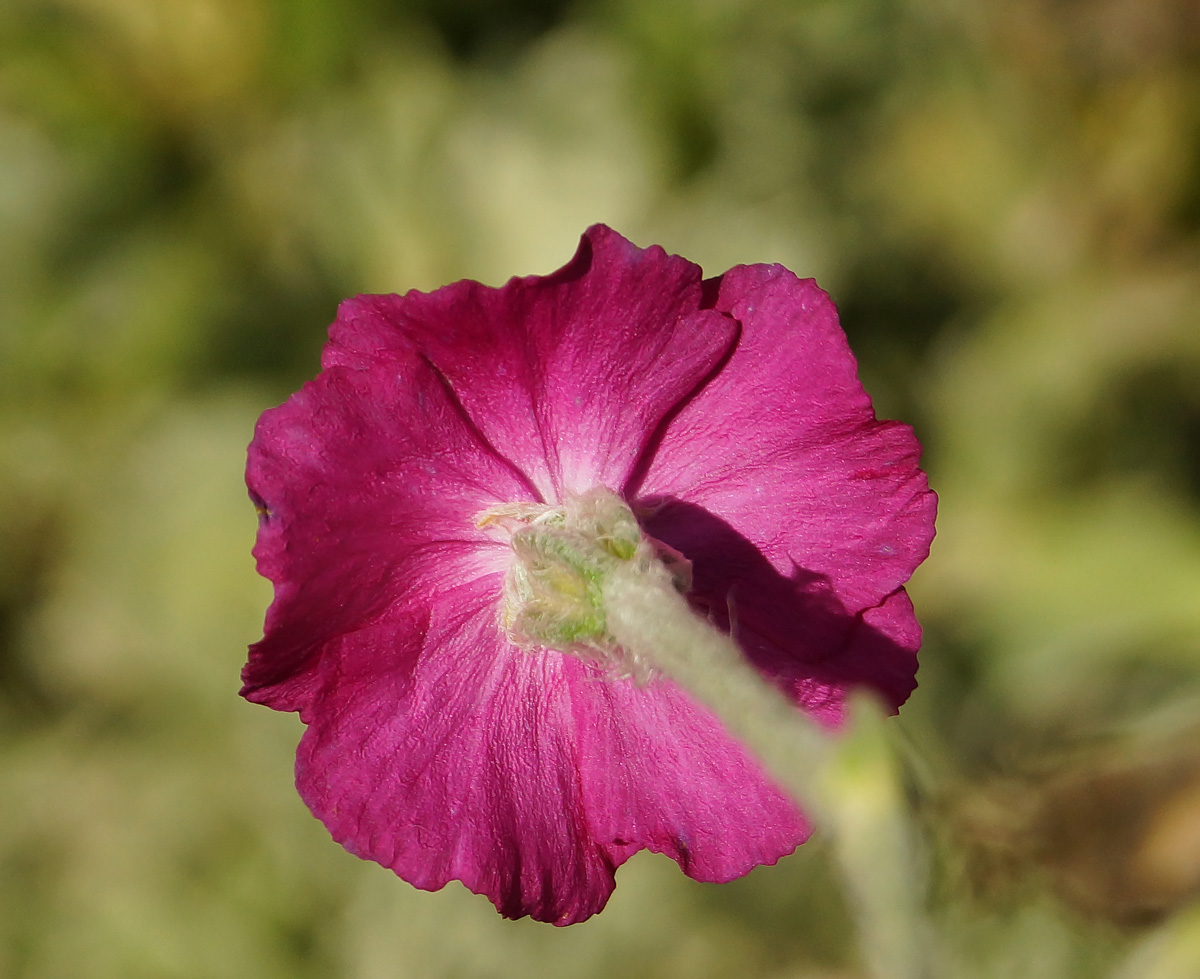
x=661 y=772
x=439 y=750
x=368 y=482
x=566 y=375
x=794 y=626
x=462 y=765
x=800 y=510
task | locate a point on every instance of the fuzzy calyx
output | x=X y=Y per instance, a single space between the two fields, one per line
x=563 y=557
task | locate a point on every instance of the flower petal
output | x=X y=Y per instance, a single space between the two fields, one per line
x=460 y=766
x=784 y=445
x=567 y=375
x=368 y=482
x=437 y=748
x=445 y=754
x=783 y=450
x=660 y=772
x=793 y=627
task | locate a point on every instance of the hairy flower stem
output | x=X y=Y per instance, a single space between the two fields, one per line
x=847 y=781
x=650 y=619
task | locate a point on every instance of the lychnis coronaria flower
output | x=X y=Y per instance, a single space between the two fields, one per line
x=461 y=728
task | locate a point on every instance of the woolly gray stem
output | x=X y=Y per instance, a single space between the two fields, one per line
x=650 y=619
x=848 y=783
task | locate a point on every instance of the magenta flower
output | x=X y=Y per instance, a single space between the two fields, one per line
x=726 y=412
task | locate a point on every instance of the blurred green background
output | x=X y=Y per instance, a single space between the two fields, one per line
x=1004 y=200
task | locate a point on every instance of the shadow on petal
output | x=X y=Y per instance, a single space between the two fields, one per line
x=794 y=627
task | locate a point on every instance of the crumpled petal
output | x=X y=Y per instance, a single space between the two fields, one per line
x=566 y=375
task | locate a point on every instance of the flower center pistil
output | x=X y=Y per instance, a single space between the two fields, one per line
x=554 y=590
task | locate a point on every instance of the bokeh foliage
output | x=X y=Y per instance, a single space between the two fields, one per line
x=1003 y=198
